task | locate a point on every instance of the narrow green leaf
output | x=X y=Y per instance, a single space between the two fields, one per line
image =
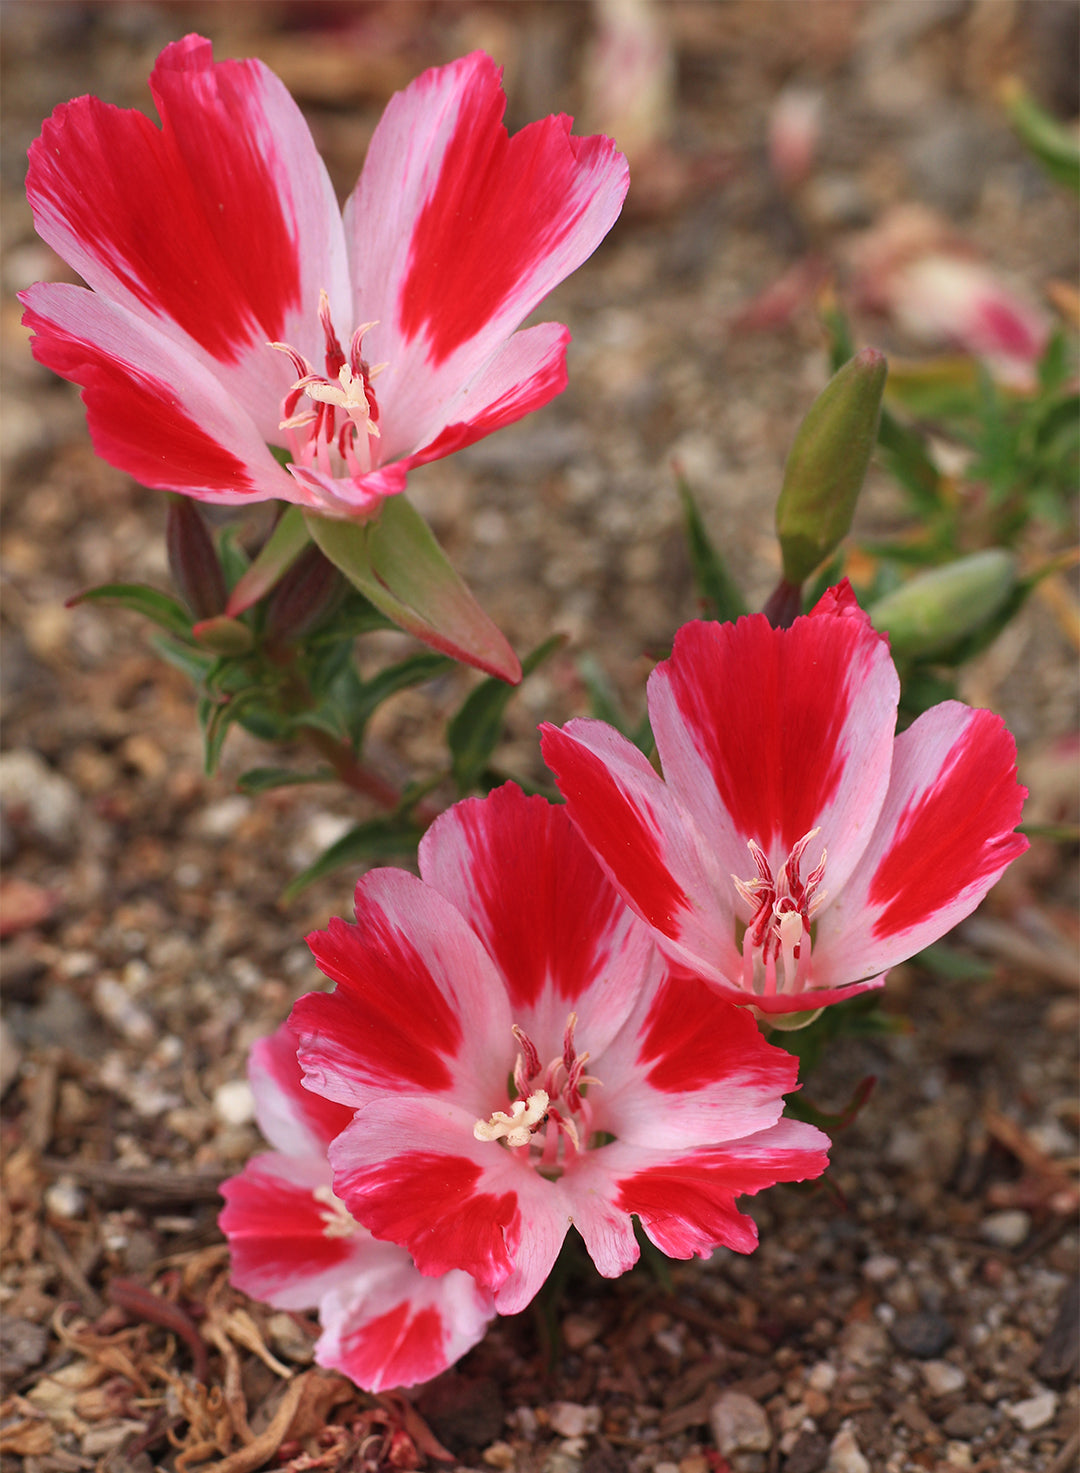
x=162 y=610
x=220 y=717
x=949 y=961
x=906 y=457
x=1056 y=147
x=397 y=564
x=473 y=732
x=713 y=582
x=379 y=838
x=281 y=549
x=195 y=664
x=263 y=779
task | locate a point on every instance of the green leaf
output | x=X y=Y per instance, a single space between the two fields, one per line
x=281 y=549
x=396 y=563
x=906 y=457
x=263 y=779
x=370 y=694
x=714 y=584
x=162 y=610
x=234 y=560
x=473 y=732
x=193 y=663
x=948 y=961
x=219 y=716
x=380 y=838
x=1056 y=147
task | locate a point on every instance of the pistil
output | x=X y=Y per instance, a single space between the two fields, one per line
x=779 y=927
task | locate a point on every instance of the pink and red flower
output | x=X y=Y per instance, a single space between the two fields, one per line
x=232 y=308
x=294 y=1245
x=520 y=1058
x=795 y=849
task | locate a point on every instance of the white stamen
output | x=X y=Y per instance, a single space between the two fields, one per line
x=517 y=1127
x=338 y=1221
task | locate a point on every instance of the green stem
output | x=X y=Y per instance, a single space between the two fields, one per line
x=361 y=779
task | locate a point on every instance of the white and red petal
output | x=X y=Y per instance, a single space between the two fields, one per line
x=686 y=1204
x=525 y=374
x=557 y=929
x=280 y=1249
x=688 y=1068
x=457 y=231
x=220 y=228
x=944 y=836
x=292 y=1118
x=389 y=1326
x=766 y=733
x=649 y=845
x=418 y=1005
x=153 y=409
x=412 y=1172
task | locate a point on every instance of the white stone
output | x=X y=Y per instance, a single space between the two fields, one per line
x=822 y=1376
x=845 y=1454
x=569 y=1419
x=222 y=818
x=65 y=1198
x=864 y=1344
x=879 y=1268
x=739 y=1424
x=942 y=1377
x=50 y=802
x=1035 y=1411
x=1006 y=1229
x=234 y=1104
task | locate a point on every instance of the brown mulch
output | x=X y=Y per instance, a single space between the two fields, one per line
x=918 y=1310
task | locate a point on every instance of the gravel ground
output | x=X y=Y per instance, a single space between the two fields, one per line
x=918 y=1309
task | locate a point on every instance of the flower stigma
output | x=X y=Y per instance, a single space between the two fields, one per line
x=551 y=1116
x=778 y=931
x=342 y=416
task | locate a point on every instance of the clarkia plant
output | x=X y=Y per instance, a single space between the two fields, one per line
x=560 y=1021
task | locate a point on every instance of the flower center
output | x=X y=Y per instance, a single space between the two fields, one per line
x=339 y=421
x=338 y=1221
x=778 y=933
x=550 y=1119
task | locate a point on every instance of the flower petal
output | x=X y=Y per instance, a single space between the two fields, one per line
x=686 y=1204
x=220 y=228
x=558 y=931
x=456 y=231
x=291 y=1117
x=943 y=838
x=411 y=1171
x=649 y=845
x=390 y=1326
x=766 y=733
x=690 y=1068
x=523 y=375
x=418 y=1005
x=280 y=1249
x=152 y=408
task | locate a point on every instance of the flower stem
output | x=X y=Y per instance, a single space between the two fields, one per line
x=361 y=779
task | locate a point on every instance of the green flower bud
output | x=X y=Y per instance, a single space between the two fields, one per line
x=827 y=465
x=310 y=589
x=224 y=636
x=937 y=609
x=193 y=559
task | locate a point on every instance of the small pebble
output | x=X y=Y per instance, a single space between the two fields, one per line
x=808 y=1454
x=1034 y=1412
x=739 y=1424
x=65 y=1198
x=864 y=1344
x=970 y=1420
x=923 y=1334
x=569 y=1419
x=822 y=1376
x=499 y=1455
x=1007 y=1229
x=880 y=1268
x=234 y=1104
x=845 y=1454
x=941 y=1377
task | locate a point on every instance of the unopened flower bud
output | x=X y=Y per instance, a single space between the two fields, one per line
x=224 y=636
x=937 y=609
x=303 y=597
x=828 y=463
x=193 y=559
